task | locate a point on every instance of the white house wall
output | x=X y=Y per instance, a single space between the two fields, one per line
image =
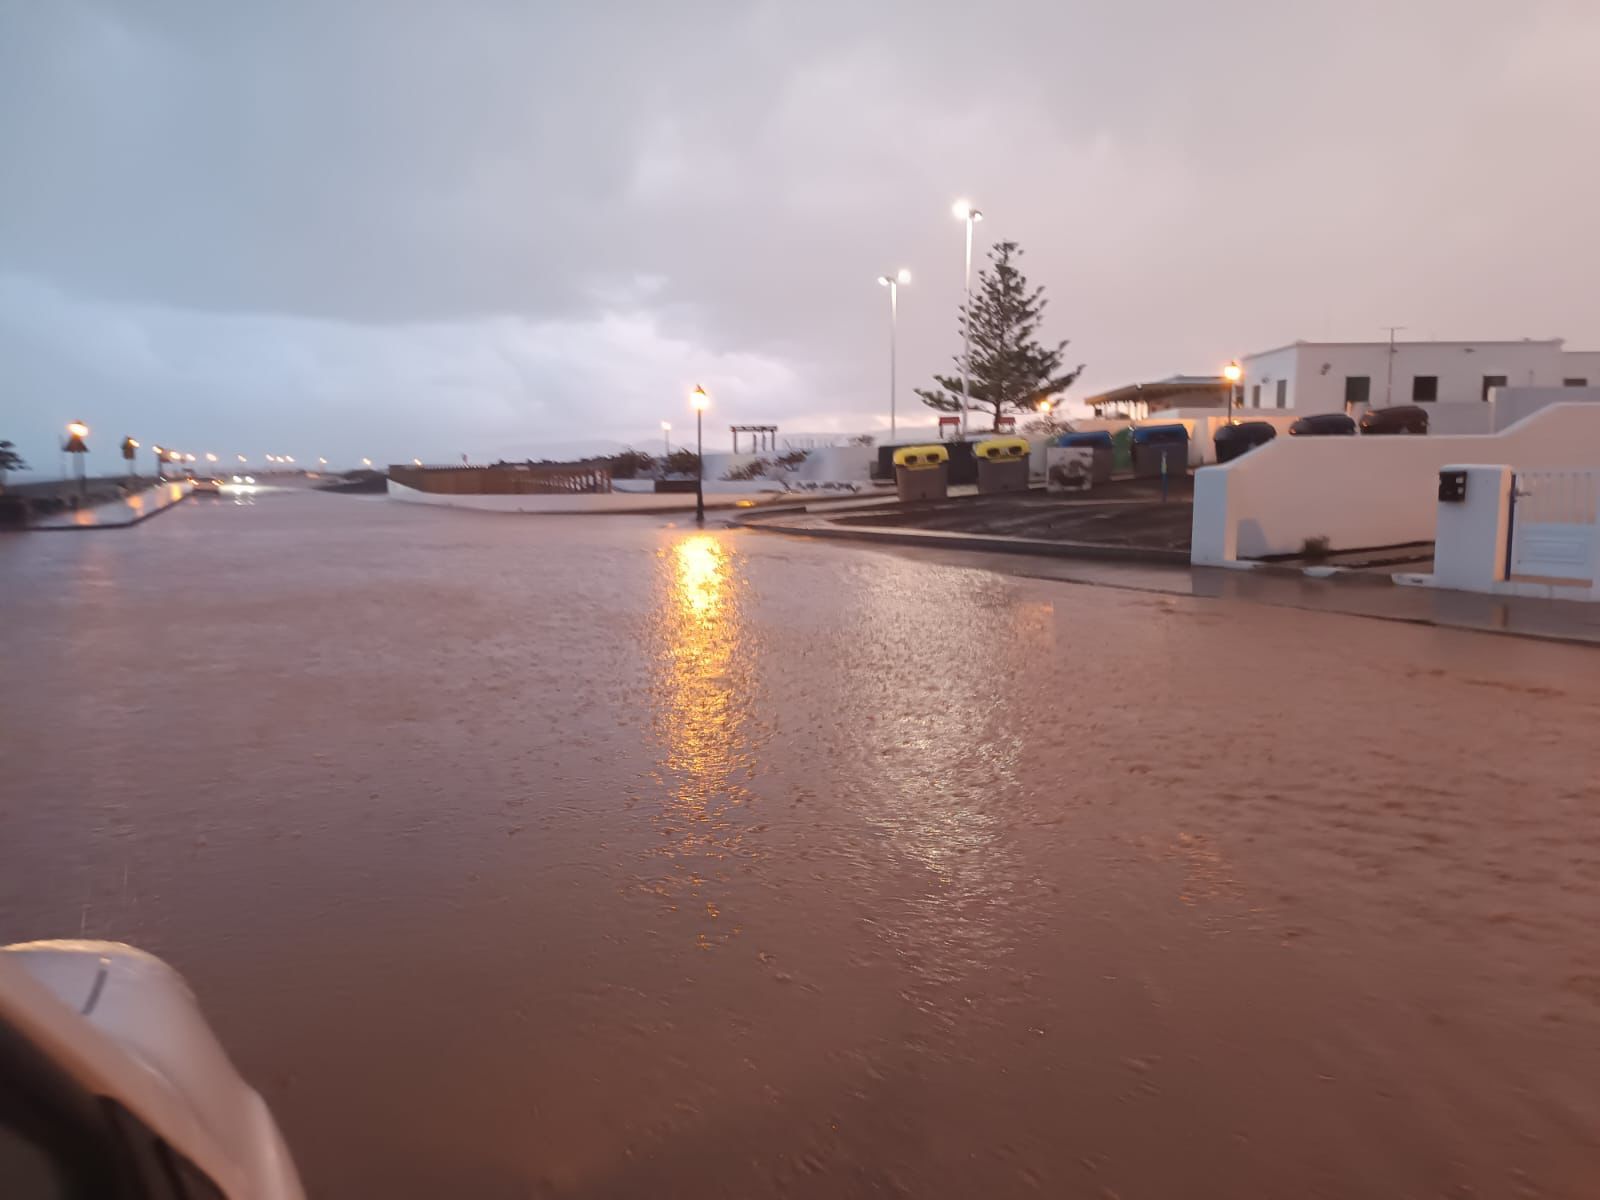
x=1317 y=370
x=1362 y=492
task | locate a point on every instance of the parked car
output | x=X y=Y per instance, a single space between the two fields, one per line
x=1402 y=418
x=1323 y=425
x=112 y=1084
x=1233 y=440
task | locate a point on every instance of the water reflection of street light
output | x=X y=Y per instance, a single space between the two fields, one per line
x=969 y=216
x=893 y=282
x=698 y=399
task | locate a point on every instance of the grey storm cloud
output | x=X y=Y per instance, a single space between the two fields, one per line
x=403 y=227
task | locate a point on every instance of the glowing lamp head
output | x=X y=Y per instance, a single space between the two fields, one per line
x=77 y=429
x=699 y=400
x=1232 y=372
x=210 y=457
x=904 y=276
x=666 y=427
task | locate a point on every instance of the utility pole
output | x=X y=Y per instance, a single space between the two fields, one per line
x=1388 y=387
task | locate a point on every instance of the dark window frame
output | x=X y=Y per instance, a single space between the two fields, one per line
x=1417 y=389
x=1492 y=381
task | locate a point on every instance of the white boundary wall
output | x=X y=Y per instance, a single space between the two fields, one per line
x=1364 y=491
x=577 y=502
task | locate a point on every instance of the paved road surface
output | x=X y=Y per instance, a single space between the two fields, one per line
x=568 y=857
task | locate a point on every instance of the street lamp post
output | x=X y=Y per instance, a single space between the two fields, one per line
x=893 y=282
x=969 y=216
x=77 y=447
x=698 y=399
x=1232 y=373
x=666 y=440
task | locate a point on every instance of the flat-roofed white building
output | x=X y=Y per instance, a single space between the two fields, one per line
x=1316 y=377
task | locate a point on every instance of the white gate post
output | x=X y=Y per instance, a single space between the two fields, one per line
x=1472 y=538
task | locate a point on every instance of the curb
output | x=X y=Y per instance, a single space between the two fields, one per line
x=139 y=520
x=982 y=542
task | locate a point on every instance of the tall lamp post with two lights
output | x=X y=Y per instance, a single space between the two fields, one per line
x=893 y=282
x=968 y=216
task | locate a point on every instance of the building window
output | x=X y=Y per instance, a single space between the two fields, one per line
x=1573 y=382
x=1357 y=390
x=1255 y=395
x=1492 y=381
x=1283 y=393
x=1424 y=389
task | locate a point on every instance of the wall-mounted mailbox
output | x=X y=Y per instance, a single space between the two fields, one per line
x=1453 y=487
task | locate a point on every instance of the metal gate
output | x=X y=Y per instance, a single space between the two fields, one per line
x=1554 y=530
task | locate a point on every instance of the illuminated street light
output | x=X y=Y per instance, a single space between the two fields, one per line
x=77 y=429
x=969 y=217
x=366 y=462
x=416 y=462
x=210 y=457
x=698 y=399
x=1232 y=373
x=893 y=282
x=322 y=462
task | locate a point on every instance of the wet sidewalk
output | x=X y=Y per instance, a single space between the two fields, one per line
x=119 y=514
x=1357 y=594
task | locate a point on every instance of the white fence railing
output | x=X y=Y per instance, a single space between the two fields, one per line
x=1555 y=525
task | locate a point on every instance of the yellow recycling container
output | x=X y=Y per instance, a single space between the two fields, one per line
x=922 y=472
x=1001 y=448
x=1002 y=465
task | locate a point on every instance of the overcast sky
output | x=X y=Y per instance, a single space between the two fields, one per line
x=418 y=227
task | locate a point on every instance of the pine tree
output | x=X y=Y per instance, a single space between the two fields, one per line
x=1010 y=369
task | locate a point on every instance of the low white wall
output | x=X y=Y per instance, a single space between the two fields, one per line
x=1450 y=418
x=837 y=464
x=579 y=502
x=1360 y=492
x=1513 y=404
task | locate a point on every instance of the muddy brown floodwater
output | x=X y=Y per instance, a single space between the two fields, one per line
x=521 y=857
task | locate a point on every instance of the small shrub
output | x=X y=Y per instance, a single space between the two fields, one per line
x=683 y=462
x=751 y=470
x=630 y=464
x=1314 y=549
x=792 y=459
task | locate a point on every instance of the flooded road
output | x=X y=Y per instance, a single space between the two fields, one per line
x=519 y=857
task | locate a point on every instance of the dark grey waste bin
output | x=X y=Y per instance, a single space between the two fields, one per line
x=1153 y=444
x=1002 y=465
x=922 y=472
x=1098 y=440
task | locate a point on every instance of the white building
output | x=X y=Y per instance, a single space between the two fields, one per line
x=1315 y=377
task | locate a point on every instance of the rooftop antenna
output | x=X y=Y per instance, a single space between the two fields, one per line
x=1388 y=387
